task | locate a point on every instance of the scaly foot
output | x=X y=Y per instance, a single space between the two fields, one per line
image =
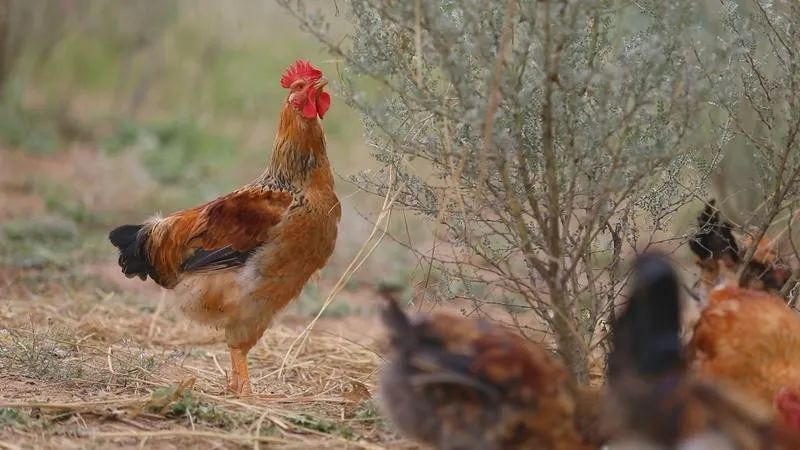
x=240 y=379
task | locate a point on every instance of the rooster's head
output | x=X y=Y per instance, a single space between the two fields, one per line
x=305 y=83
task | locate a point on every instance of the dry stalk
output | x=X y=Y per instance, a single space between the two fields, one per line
x=358 y=260
x=494 y=90
x=187 y=433
x=9 y=446
x=161 y=302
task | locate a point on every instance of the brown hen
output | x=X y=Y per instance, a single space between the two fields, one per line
x=654 y=401
x=746 y=336
x=456 y=383
x=237 y=260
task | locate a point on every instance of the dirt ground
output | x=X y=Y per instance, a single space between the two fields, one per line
x=90 y=359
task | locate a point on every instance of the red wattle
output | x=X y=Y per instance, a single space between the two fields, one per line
x=309 y=110
x=323 y=103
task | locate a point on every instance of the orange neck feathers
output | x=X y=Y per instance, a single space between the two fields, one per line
x=299 y=155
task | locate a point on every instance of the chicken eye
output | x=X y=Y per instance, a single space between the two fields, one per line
x=300 y=84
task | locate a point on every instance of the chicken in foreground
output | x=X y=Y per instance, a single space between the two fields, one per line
x=236 y=261
x=456 y=383
x=748 y=338
x=654 y=401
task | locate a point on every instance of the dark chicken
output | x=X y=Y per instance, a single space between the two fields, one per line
x=719 y=256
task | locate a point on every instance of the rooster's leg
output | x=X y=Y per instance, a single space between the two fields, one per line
x=240 y=379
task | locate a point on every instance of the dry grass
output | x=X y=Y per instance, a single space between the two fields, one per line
x=89 y=359
x=81 y=372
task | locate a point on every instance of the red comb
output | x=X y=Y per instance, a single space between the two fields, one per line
x=300 y=69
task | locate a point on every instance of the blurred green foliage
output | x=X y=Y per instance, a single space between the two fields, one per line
x=181 y=99
x=13 y=417
x=25 y=128
x=83 y=62
x=128 y=71
x=37 y=243
x=174 y=152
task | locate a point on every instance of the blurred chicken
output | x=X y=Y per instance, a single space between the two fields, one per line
x=653 y=401
x=750 y=338
x=236 y=261
x=746 y=337
x=456 y=383
x=720 y=257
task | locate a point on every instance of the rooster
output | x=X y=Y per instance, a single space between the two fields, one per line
x=236 y=261
x=654 y=401
x=746 y=336
x=456 y=383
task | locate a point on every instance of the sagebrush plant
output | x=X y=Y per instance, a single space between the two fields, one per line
x=547 y=138
x=761 y=41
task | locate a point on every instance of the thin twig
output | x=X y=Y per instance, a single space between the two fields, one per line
x=494 y=90
x=153 y=320
x=186 y=433
x=418 y=39
x=257 y=443
x=361 y=256
x=9 y=446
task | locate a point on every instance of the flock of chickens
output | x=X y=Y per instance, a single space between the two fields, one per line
x=456 y=383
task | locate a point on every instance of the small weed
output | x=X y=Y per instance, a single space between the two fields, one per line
x=322 y=425
x=11 y=417
x=133 y=367
x=176 y=400
x=200 y=412
x=161 y=399
x=368 y=410
x=44 y=356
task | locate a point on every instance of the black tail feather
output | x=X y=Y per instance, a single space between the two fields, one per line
x=130 y=240
x=714 y=238
x=647 y=334
x=217 y=259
